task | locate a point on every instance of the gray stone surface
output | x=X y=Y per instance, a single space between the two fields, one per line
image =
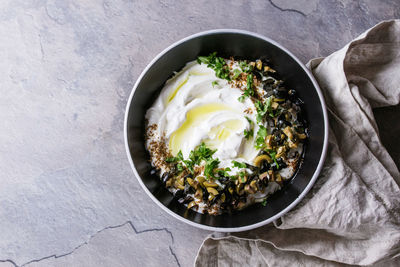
x=68 y=196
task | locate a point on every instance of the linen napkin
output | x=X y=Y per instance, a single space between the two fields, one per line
x=352 y=214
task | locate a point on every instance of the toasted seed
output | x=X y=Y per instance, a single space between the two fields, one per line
x=259 y=160
x=279 y=99
x=212 y=191
x=210 y=184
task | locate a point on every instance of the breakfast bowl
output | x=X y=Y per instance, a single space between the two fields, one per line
x=227 y=43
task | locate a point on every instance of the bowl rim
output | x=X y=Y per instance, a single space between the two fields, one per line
x=291 y=205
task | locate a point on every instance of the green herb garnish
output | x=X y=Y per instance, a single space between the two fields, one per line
x=264 y=203
x=214 y=83
x=245 y=67
x=260 y=138
x=239 y=164
x=211 y=164
x=273 y=156
x=178 y=157
x=224 y=172
x=249 y=120
x=248 y=133
x=218 y=64
x=236 y=73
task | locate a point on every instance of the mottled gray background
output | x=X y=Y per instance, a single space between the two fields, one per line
x=67 y=194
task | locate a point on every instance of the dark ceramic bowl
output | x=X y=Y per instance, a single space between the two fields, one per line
x=226 y=43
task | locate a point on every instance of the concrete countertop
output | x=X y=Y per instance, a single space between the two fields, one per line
x=68 y=196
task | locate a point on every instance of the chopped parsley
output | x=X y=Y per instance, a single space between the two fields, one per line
x=178 y=157
x=218 y=64
x=245 y=67
x=260 y=138
x=273 y=156
x=214 y=83
x=211 y=164
x=236 y=73
x=224 y=172
x=263 y=109
x=264 y=203
x=238 y=164
x=248 y=133
x=249 y=120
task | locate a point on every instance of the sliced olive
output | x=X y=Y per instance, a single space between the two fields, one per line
x=191 y=205
x=248 y=189
x=210 y=184
x=259 y=159
x=212 y=190
x=199 y=193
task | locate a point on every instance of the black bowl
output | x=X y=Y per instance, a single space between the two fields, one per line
x=226 y=43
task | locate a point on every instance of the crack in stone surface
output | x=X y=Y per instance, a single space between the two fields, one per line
x=10 y=261
x=286 y=9
x=93 y=235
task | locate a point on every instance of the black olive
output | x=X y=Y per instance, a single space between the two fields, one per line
x=188 y=176
x=187 y=199
x=292 y=95
x=165 y=177
x=178 y=194
x=205 y=195
x=258 y=75
x=280 y=92
x=281 y=163
x=251 y=167
x=223 y=180
x=215 y=199
x=264 y=167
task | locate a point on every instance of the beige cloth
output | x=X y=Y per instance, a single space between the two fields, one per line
x=352 y=214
